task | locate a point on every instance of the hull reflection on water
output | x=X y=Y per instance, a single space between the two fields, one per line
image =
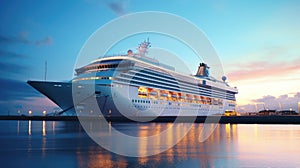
x=66 y=144
x=187 y=149
x=230 y=145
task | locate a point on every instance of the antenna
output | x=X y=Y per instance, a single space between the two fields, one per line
x=45 y=70
x=143 y=47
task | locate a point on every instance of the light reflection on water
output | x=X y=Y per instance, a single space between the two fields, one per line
x=57 y=143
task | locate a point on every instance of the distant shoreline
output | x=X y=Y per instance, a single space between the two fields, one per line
x=200 y=119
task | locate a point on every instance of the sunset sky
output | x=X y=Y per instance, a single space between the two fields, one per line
x=257 y=41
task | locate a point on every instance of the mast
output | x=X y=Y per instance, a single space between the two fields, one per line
x=45 y=70
x=143 y=47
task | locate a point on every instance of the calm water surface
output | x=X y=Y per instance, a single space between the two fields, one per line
x=65 y=144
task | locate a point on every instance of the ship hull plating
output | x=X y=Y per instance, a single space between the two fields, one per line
x=119 y=100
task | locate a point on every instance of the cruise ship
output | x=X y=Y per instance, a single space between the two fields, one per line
x=134 y=84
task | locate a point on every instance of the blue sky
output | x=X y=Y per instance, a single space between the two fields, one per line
x=258 y=42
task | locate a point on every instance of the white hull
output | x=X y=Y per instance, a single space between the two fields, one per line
x=116 y=102
x=58 y=92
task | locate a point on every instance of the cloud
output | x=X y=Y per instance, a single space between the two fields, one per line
x=22 y=38
x=35 y=104
x=282 y=102
x=267 y=98
x=119 y=8
x=9 y=54
x=12 y=90
x=45 y=41
x=263 y=69
x=11 y=65
x=18 y=95
x=15 y=93
x=9 y=69
x=297 y=95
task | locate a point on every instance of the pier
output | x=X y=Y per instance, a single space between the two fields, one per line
x=199 y=119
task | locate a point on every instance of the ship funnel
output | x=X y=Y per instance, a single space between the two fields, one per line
x=202 y=70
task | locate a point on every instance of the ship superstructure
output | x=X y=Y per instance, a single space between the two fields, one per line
x=136 y=85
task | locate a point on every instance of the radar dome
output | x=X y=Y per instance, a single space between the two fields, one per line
x=129 y=52
x=224 y=78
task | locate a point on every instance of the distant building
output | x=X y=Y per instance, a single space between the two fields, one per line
x=274 y=112
x=253 y=113
x=267 y=112
x=287 y=112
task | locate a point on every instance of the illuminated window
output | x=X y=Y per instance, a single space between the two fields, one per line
x=142 y=92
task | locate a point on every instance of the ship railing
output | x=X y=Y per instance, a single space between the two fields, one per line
x=108 y=56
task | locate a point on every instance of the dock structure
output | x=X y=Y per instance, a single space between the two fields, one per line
x=276 y=119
